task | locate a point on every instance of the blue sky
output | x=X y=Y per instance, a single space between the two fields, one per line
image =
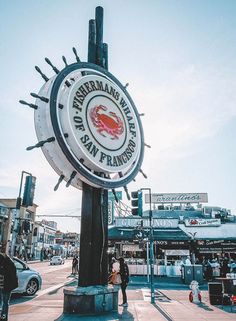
x=179 y=58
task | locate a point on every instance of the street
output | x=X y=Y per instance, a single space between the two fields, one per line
x=171 y=300
x=53 y=276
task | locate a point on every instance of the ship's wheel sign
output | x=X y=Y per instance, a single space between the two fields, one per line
x=93 y=127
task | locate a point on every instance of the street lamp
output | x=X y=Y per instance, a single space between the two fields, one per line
x=17 y=216
x=151 y=246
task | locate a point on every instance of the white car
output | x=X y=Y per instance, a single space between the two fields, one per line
x=29 y=281
x=57 y=260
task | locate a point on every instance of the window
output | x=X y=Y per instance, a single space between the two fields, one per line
x=19 y=265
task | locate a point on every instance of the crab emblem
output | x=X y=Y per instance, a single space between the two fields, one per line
x=106 y=122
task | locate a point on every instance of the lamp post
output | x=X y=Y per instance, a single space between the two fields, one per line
x=151 y=260
x=17 y=216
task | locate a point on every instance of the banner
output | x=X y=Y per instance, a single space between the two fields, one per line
x=202 y=222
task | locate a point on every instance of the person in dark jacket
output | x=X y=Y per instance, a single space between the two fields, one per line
x=75 y=263
x=8 y=282
x=124 y=274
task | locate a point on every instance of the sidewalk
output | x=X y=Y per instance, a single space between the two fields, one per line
x=171 y=304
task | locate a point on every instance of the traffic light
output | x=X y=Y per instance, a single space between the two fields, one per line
x=137 y=203
x=28 y=196
x=26 y=225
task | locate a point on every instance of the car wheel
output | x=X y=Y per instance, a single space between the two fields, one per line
x=32 y=287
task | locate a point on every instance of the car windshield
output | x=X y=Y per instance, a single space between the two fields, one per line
x=19 y=265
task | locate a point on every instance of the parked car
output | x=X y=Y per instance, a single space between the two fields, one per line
x=57 y=260
x=30 y=281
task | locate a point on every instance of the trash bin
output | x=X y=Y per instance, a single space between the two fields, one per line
x=215 y=293
x=198 y=273
x=187 y=274
x=229 y=286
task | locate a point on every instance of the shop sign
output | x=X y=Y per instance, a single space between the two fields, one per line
x=216 y=243
x=202 y=222
x=156 y=222
x=177 y=198
x=131 y=247
x=172 y=244
x=177 y=252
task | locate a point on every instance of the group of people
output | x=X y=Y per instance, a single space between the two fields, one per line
x=119 y=268
x=224 y=266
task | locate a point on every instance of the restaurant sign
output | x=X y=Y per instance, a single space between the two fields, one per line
x=177 y=198
x=156 y=222
x=202 y=222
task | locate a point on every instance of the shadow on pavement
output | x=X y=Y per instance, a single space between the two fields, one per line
x=162 y=312
x=126 y=315
x=205 y=307
x=17 y=298
x=112 y=316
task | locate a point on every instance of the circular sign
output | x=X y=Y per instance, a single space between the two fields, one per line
x=97 y=129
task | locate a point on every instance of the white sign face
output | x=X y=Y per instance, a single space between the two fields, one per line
x=177 y=198
x=131 y=248
x=91 y=128
x=202 y=222
x=156 y=222
x=177 y=252
x=103 y=123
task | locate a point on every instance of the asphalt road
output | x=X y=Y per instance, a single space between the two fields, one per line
x=53 y=276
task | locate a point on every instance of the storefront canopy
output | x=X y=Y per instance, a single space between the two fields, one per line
x=128 y=234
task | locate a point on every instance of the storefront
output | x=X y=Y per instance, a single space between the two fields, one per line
x=130 y=238
x=174 y=240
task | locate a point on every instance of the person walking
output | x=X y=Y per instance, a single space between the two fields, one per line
x=124 y=274
x=75 y=265
x=8 y=282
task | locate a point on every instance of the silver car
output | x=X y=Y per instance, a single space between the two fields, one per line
x=57 y=259
x=29 y=281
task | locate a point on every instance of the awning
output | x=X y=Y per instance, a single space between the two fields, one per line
x=127 y=234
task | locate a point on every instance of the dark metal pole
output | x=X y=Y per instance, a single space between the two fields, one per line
x=151 y=250
x=85 y=262
x=99 y=36
x=151 y=258
x=92 y=41
x=93 y=268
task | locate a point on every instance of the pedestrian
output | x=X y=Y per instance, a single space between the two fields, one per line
x=187 y=261
x=208 y=271
x=74 y=265
x=124 y=273
x=8 y=282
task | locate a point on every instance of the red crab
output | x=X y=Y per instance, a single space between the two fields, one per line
x=112 y=124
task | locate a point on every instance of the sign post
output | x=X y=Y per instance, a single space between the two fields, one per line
x=90 y=131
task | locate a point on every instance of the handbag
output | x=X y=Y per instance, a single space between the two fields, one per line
x=116 y=278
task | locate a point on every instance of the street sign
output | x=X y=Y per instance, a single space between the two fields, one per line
x=111 y=196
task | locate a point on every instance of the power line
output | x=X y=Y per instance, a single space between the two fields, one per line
x=59 y=215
